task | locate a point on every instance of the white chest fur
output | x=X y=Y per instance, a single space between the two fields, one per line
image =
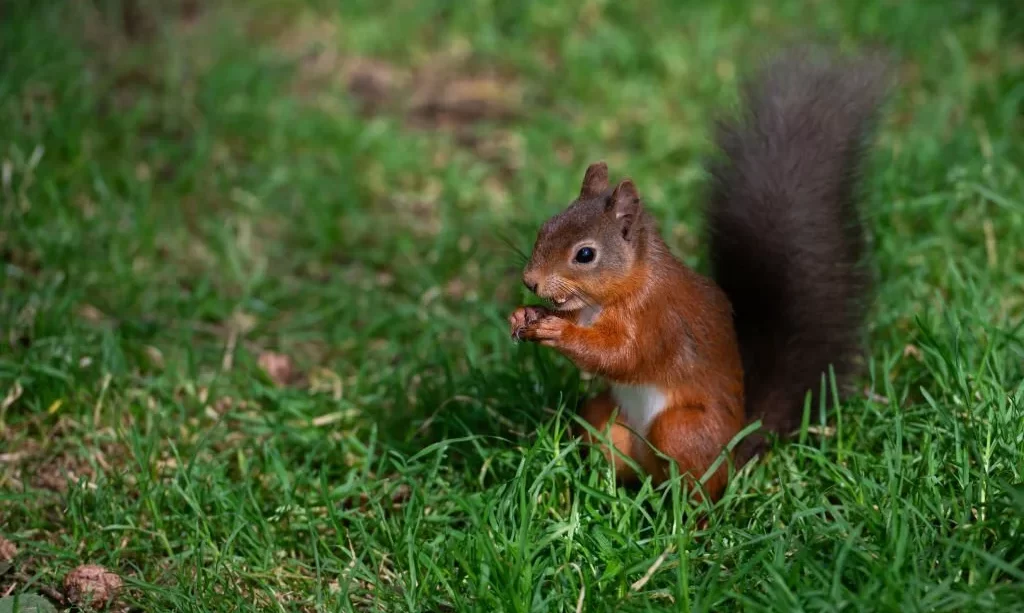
x=639 y=405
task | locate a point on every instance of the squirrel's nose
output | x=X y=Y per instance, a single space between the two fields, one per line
x=530 y=282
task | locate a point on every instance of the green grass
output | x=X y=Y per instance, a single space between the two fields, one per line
x=176 y=204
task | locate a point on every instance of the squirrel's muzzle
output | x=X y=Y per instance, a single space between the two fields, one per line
x=531 y=281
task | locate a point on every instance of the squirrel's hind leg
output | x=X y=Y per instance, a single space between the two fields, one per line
x=681 y=433
x=597 y=411
x=686 y=435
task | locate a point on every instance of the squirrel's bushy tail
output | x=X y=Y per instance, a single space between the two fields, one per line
x=785 y=236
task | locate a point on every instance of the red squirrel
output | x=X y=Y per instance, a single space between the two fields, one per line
x=691 y=359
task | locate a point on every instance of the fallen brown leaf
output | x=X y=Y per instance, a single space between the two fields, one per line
x=278 y=367
x=91 y=314
x=7 y=550
x=914 y=352
x=156 y=357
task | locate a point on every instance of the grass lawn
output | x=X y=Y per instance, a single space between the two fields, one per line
x=257 y=259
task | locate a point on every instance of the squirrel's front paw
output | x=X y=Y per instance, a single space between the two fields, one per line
x=548 y=330
x=524 y=316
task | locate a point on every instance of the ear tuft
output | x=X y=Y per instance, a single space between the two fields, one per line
x=595 y=180
x=625 y=203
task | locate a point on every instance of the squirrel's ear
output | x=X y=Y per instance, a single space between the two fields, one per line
x=595 y=180
x=625 y=204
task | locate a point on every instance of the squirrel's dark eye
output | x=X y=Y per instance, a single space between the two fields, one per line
x=585 y=255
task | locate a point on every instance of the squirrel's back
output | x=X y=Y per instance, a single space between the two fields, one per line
x=785 y=236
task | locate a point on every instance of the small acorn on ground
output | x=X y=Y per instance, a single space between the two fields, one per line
x=93 y=585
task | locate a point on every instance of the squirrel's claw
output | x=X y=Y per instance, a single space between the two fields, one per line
x=524 y=317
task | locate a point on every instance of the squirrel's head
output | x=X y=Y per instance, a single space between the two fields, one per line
x=588 y=250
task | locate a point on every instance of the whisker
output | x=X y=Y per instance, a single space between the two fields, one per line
x=559 y=287
x=584 y=297
x=574 y=291
x=510 y=244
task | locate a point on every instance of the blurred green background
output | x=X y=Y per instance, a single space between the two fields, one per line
x=255 y=263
